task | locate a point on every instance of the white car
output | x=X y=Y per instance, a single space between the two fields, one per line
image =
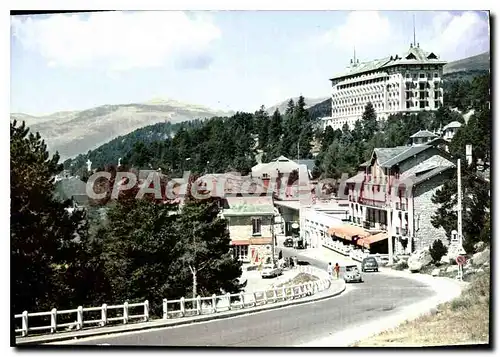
x=270 y=271
x=352 y=274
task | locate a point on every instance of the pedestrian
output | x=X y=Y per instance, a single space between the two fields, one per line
x=329 y=270
x=280 y=255
x=337 y=270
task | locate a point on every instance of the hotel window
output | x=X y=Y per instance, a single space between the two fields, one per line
x=426 y=103
x=256 y=226
x=436 y=104
x=422 y=104
x=408 y=75
x=436 y=75
x=408 y=105
x=422 y=75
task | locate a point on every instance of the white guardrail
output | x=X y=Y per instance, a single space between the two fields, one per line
x=354 y=254
x=178 y=308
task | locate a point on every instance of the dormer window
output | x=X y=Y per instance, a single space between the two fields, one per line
x=411 y=56
x=431 y=56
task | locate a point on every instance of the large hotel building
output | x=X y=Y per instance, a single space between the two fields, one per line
x=396 y=84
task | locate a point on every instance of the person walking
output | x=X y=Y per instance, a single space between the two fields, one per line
x=337 y=270
x=329 y=270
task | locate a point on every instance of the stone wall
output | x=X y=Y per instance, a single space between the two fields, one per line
x=427 y=233
x=240 y=227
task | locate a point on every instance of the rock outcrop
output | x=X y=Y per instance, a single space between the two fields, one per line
x=418 y=260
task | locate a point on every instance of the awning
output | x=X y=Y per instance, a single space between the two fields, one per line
x=347 y=231
x=365 y=242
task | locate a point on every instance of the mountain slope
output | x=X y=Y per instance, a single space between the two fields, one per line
x=76 y=132
x=282 y=106
x=474 y=63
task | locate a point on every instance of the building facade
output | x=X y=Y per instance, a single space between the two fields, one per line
x=396 y=84
x=393 y=194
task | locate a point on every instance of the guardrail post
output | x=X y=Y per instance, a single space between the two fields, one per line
x=146 y=310
x=228 y=296
x=79 y=318
x=165 y=309
x=53 y=320
x=24 y=321
x=275 y=297
x=183 y=307
x=254 y=299
x=265 y=296
x=316 y=287
x=284 y=293
x=293 y=292
x=104 y=315
x=125 y=312
x=198 y=304
x=214 y=303
x=242 y=300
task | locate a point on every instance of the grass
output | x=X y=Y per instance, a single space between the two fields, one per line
x=464 y=320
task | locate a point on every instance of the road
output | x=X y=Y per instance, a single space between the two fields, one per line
x=377 y=297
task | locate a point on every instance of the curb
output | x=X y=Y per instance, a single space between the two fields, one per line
x=351 y=336
x=164 y=324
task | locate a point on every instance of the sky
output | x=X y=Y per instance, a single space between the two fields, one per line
x=226 y=60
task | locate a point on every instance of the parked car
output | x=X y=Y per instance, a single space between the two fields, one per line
x=352 y=274
x=270 y=271
x=369 y=263
x=288 y=242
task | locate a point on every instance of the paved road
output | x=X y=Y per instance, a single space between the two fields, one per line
x=377 y=297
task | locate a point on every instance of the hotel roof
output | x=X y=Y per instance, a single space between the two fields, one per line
x=414 y=56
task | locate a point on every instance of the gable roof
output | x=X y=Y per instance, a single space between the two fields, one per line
x=453 y=124
x=423 y=134
x=414 y=55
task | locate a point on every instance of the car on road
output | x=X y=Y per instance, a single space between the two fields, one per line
x=270 y=271
x=352 y=274
x=288 y=242
x=369 y=263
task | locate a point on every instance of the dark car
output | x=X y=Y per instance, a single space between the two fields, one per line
x=369 y=263
x=288 y=242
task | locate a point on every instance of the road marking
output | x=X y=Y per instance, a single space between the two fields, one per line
x=128 y=333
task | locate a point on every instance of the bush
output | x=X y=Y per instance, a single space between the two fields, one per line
x=437 y=250
x=402 y=265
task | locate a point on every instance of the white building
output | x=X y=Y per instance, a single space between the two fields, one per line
x=450 y=130
x=396 y=84
x=317 y=219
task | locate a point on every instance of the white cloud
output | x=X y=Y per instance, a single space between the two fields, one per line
x=374 y=34
x=361 y=29
x=458 y=36
x=117 y=41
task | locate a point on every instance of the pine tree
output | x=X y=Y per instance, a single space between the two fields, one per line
x=369 y=121
x=47 y=239
x=204 y=240
x=262 y=121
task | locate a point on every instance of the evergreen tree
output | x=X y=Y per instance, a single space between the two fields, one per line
x=369 y=121
x=204 y=241
x=47 y=239
x=262 y=122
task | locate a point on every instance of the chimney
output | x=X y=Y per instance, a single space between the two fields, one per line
x=411 y=45
x=351 y=61
x=418 y=45
x=468 y=154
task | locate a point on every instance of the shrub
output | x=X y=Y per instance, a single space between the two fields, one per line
x=437 y=250
x=402 y=265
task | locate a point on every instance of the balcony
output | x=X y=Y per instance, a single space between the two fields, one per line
x=374 y=227
x=373 y=203
x=401 y=206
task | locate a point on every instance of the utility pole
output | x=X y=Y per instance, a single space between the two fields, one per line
x=459 y=202
x=273 y=237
